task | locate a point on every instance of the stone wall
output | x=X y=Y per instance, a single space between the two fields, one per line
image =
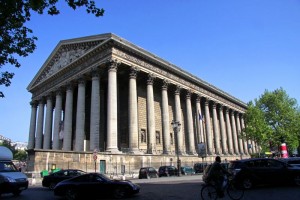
x=39 y=160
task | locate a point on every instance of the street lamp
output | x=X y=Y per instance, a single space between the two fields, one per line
x=176 y=127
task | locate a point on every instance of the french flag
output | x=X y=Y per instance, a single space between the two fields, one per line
x=201 y=117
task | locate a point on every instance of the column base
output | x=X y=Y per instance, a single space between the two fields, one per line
x=135 y=151
x=166 y=152
x=192 y=153
x=113 y=150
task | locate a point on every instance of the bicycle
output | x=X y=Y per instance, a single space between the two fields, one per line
x=209 y=191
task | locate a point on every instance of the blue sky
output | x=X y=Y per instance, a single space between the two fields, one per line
x=243 y=47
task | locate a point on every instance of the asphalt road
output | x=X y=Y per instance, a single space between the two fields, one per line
x=172 y=188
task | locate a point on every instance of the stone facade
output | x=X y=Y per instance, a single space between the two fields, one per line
x=102 y=95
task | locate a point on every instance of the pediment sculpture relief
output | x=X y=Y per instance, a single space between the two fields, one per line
x=64 y=58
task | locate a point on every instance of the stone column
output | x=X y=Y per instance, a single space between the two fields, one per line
x=222 y=130
x=234 y=134
x=229 y=132
x=48 y=123
x=254 y=147
x=245 y=140
x=165 y=118
x=216 y=130
x=112 y=109
x=199 y=120
x=133 y=113
x=95 y=112
x=80 y=117
x=57 y=119
x=31 y=137
x=40 y=126
x=151 y=114
x=190 y=127
x=67 y=140
x=208 y=128
x=240 y=139
x=179 y=119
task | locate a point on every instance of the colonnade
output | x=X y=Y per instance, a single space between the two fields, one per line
x=203 y=118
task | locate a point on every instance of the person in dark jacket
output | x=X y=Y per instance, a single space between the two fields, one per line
x=217 y=174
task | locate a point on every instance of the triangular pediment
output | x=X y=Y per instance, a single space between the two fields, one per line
x=65 y=53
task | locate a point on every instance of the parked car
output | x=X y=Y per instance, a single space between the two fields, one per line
x=262 y=171
x=199 y=167
x=148 y=172
x=187 y=170
x=167 y=171
x=56 y=177
x=95 y=186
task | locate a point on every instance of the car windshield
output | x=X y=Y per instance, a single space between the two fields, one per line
x=7 y=167
x=105 y=177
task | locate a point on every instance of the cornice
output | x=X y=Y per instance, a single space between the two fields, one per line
x=175 y=79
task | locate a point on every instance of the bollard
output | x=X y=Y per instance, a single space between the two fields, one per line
x=33 y=182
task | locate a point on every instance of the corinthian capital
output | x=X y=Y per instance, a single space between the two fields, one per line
x=133 y=72
x=150 y=79
x=113 y=64
x=177 y=90
x=165 y=84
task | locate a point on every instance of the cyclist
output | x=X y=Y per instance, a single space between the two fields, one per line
x=216 y=175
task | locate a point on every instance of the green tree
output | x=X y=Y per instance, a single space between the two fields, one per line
x=20 y=155
x=256 y=127
x=272 y=119
x=16 y=40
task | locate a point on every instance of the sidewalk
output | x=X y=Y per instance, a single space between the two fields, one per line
x=197 y=177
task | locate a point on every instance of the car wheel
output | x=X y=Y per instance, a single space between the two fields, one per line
x=52 y=186
x=297 y=180
x=71 y=194
x=119 y=193
x=247 y=183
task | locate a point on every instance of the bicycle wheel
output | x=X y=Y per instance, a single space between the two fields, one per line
x=234 y=192
x=208 y=192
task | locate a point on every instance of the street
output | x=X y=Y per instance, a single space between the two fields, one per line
x=172 y=188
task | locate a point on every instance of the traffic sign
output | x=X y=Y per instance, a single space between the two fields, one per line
x=95 y=157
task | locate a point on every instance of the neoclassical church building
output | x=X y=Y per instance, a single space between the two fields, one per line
x=102 y=103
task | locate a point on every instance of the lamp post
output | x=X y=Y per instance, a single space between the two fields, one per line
x=176 y=127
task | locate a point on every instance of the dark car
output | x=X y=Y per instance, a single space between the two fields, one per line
x=56 y=177
x=95 y=186
x=9 y=186
x=293 y=161
x=167 y=171
x=11 y=179
x=148 y=172
x=263 y=171
x=199 y=167
x=187 y=170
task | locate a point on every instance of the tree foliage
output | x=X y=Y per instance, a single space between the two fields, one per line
x=16 y=39
x=272 y=119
